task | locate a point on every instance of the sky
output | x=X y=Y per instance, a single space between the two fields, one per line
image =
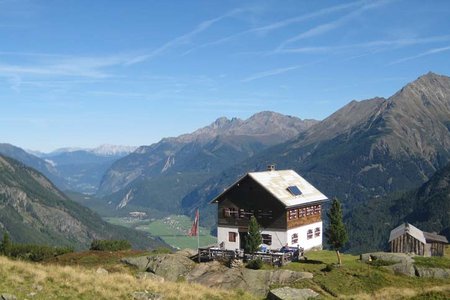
x=84 y=73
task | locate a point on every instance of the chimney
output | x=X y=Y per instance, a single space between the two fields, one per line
x=271 y=167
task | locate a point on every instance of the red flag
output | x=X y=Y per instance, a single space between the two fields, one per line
x=194 y=228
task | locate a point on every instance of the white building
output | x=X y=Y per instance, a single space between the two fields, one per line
x=287 y=207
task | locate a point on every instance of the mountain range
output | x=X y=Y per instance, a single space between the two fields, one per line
x=155 y=178
x=366 y=150
x=372 y=154
x=33 y=210
x=74 y=169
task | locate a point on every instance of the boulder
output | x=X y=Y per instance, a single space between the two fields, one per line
x=7 y=297
x=432 y=272
x=404 y=263
x=387 y=256
x=187 y=252
x=287 y=293
x=170 y=266
x=146 y=295
x=214 y=274
x=101 y=271
x=149 y=275
x=139 y=262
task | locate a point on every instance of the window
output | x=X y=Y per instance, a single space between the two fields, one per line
x=294 y=238
x=232 y=236
x=294 y=190
x=266 y=239
x=292 y=214
x=226 y=212
x=317 y=232
x=309 y=235
x=230 y=212
x=301 y=212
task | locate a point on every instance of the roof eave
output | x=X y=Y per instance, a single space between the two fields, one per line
x=216 y=199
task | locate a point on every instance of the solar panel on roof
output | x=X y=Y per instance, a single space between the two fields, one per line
x=294 y=190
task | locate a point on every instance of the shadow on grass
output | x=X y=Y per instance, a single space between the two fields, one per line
x=311 y=262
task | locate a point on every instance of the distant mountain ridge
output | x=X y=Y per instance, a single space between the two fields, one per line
x=365 y=150
x=102 y=150
x=181 y=163
x=33 y=210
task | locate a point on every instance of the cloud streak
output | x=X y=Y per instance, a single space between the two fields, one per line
x=279 y=24
x=269 y=73
x=391 y=44
x=183 y=39
x=426 y=53
x=326 y=27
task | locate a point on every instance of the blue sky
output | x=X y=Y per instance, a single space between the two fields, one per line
x=84 y=73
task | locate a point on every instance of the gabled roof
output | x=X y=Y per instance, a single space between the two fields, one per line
x=410 y=229
x=278 y=182
x=433 y=237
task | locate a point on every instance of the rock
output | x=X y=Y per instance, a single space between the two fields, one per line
x=149 y=275
x=187 y=252
x=432 y=272
x=139 y=262
x=102 y=271
x=404 y=263
x=170 y=266
x=146 y=295
x=288 y=276
x=7 y=297
x=214 y=274
x=236 y=263
x=287 y=293
x=387 y=256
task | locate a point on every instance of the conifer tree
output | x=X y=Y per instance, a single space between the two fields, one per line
x=5 y=246
x=253 y=239
x=336 y=232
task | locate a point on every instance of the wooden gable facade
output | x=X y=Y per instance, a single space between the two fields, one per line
x=407 y=238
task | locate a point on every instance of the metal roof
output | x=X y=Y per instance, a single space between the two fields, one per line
x=277 y=183
x=433 y=237
x=409 y=229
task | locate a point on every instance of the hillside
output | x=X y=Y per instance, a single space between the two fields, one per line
x=39 y=164
x=427 y=208
x=100 y=275
x=38 y=281
x=365 y=150
x=33 y=210
x=142 y=179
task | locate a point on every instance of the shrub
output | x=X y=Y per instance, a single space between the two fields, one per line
x=328 y=268
x=36 y=252
x=110 y=245
x=255 y=264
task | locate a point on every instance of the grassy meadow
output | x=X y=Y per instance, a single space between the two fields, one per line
x=173 y=230
x=356 y=280
x=74 y=276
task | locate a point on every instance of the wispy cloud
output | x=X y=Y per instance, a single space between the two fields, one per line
x=183 y=39
x=279 y=24
x=326 y=27
x=378 y=44
x=426 y=53
x=268 y=73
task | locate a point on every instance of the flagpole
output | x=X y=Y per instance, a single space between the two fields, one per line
x=198 y=234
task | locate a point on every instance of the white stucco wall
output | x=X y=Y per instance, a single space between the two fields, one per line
x=303 y=240
x=279 y=238
x=222 y=236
